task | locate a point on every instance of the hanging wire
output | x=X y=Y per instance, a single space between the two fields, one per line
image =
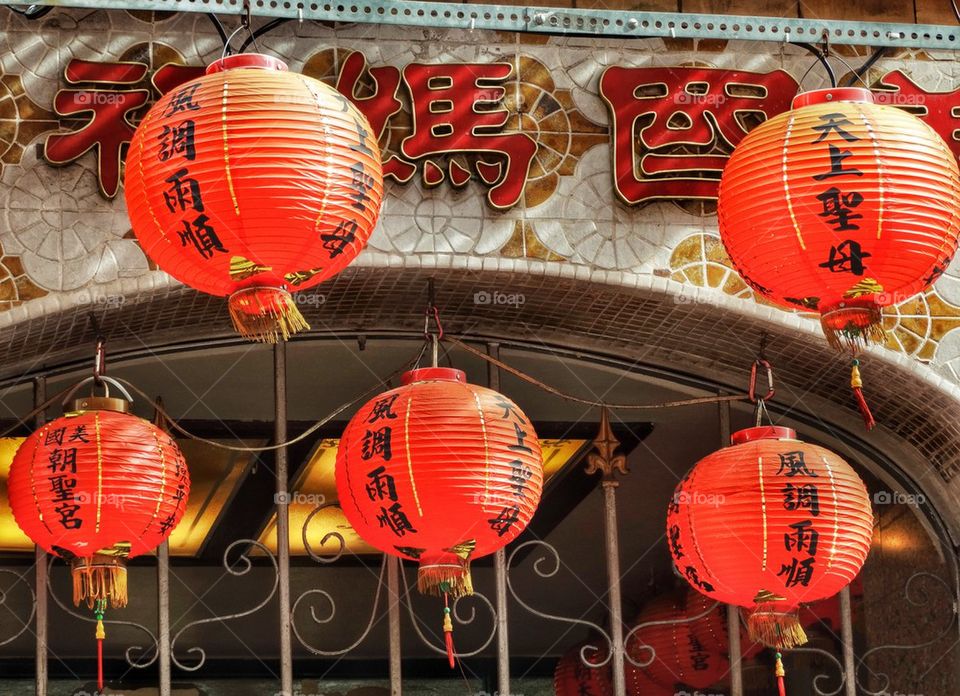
x=254 y=35
x=589 y=402
x=956 y=9
x=822 y=58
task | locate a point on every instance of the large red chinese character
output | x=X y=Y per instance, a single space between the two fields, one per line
x=674 y=127
x=454 y=110
x=171 y=75
x=108 y=127
x=378 y=107
x=939 y=109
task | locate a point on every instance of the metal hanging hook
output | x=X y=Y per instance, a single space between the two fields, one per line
x=432 y=312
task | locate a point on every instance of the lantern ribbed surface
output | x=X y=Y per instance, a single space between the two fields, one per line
x=98 y=484
x=253 y=177
x=840 y=206
x=439 y=471
x=572 y=677
x=770 y=522
x=693 y=653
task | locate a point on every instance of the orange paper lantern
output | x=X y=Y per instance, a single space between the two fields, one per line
x=693 y=653
x=253 y=181
x=96 y=487
x=574 y=677
x=770 y=522
x=439 y=471
x=841 y=206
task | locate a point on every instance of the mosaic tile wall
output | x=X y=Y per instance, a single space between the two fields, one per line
x=61 y=235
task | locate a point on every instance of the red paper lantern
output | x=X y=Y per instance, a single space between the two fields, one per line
x=770 y=522
x=694 y=653
x=573 y=677
x=96 y=487
x=841 y=207
x=250 y=182
x=439 y=471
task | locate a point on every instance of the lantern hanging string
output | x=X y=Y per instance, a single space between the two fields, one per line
x=590 y=402
x=56 y=398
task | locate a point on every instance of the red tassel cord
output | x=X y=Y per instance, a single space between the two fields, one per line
x=100 y=635
x=857 y=385
x=448 y=632
x=781 y=687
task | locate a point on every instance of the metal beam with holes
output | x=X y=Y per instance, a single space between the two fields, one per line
x=558 y=21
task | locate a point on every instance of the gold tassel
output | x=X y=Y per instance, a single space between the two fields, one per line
x=774 y=627
x=101 y=578
x=266 y=315
x=445 y=578
x=850 y=328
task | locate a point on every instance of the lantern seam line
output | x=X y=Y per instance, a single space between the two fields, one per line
x=786 y=183
x=163 y=481
x=226 y=147
x=486 y=449
x=143 y=181
x=96 y=423
x=406 y=444
x=876 y=154
x=33 y=485
x=763 y=511
x=836 y=512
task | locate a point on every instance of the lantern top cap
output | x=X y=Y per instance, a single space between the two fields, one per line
x=832 y=95
x=433 y=374
x=246 y=60
x=763 y=432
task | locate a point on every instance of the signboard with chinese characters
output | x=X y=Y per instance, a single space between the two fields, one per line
x=592 y=153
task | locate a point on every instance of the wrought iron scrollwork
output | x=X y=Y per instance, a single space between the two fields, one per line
x=314 y=555
x=137 y=656
x=818 y=678
x=331 y=603
x=605 y=655
x=314 y=594
x=917 y=601
x=18 y=579
x=463 y=620
x=244 y=565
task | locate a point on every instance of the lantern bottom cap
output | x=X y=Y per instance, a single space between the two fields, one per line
x=850 y=326
x=100 y=578
x=265 y=314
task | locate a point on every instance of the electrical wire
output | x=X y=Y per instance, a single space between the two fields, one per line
x=33 y=11
x=218 y=25
x=867 y=64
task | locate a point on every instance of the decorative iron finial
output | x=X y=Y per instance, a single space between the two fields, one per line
x=604 y=458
